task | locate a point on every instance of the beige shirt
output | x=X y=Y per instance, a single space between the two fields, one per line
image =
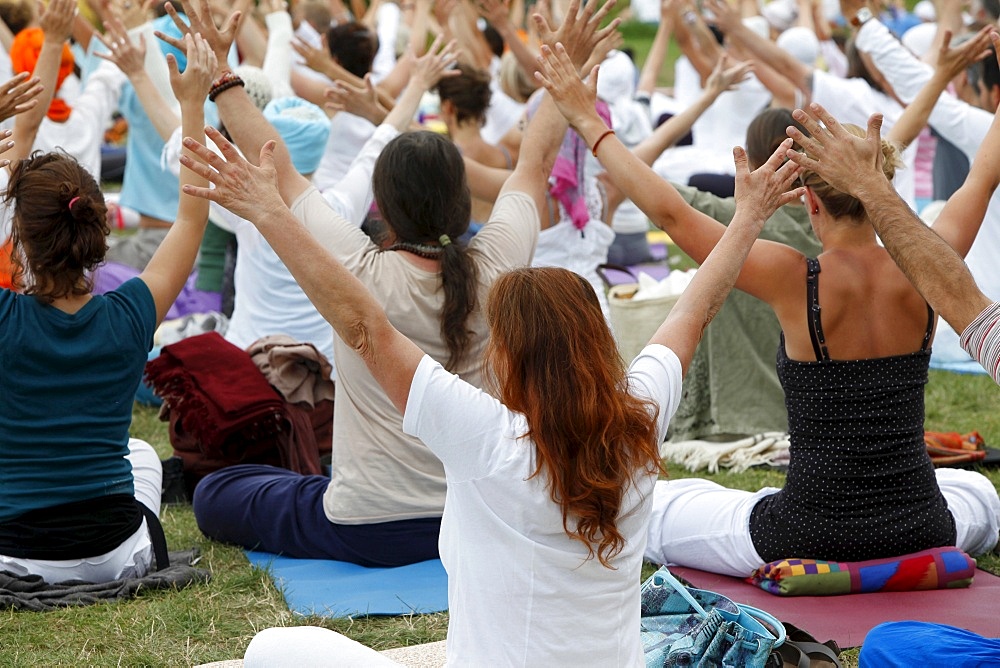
x=379 y=474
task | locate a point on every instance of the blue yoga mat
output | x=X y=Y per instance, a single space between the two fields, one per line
x=339 y=589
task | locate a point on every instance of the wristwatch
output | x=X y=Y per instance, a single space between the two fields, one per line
x=863 y=16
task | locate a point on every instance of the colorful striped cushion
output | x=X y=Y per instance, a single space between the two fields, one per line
x=937 y=568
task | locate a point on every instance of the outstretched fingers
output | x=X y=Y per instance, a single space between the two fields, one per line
x=178 y=22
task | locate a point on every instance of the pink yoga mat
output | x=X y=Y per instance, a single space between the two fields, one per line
x=847 y=619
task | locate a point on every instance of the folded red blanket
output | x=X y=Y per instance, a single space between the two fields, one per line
x=222 y=397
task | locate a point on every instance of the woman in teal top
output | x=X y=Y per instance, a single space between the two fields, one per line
x=71 y=479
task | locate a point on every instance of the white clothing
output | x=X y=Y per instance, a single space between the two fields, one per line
x=132 y=558
x=981 y=339
x=277 y=64
x=961 y=124
x=387 y=27
x=379 y=474
x=701 y=524
x=306 y=34
x=348 y=133
x=580 y=251
x=82 y=134
x=833 y=57
x=724 y=124
x=520 y=590
x=312 y=647
x=854 y=101
x=504 y=111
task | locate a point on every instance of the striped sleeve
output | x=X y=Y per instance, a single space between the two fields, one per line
x=981 y=339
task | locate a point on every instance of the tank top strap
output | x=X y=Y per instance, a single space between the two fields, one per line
x=930 y=328
x=813 y=310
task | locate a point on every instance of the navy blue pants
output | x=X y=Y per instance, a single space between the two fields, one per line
x=275 y=510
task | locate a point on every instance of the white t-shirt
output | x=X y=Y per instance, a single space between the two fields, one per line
x=520 y=591
x=379 y=474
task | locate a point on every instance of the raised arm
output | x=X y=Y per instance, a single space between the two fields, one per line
x=131 y=60
x=695 y=39
x=657 y=51
x=764 y=274
x=56 y=23
x=949 y=63
x=244 y=122
x=277 y=64
x=576 y=39
x=172 y=262
x=497 y=12
x=252 y=193
x=352 y=195
x=762 y=49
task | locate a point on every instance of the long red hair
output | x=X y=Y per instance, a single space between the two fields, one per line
x=555 y=361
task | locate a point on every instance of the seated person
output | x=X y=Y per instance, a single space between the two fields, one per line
x=548 y=489
x=76 y=493
x=860 y=484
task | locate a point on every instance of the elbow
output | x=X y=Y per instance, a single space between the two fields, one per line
x=367 y=335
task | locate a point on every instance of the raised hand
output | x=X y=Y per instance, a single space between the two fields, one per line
x=844 y=161
x=131 y=13
x=953 y=61
x=316 y=59
x=727 y=74
x=130 y=58
x=360 y=101
x=497 y=12
x=248 y=191
x=574 y=98
x=18 y=94
x=219 y=38
x=725 y=17
x=764 y=190
x=5 y=146
x=57 y=20
x=435 y=65
x=193 y=84
x=580 y=33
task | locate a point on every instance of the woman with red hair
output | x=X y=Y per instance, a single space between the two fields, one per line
x=550 y=476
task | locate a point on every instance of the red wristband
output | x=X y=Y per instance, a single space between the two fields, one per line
x=599 y=140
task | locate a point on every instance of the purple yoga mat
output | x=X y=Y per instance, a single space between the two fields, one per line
x=848 y=618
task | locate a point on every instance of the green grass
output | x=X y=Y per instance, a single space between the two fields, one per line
x=215 y=621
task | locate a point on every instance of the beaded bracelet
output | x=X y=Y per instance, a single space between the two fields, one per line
x=599 y=140
x=223 y=83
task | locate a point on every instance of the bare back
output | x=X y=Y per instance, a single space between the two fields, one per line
x=868 y=309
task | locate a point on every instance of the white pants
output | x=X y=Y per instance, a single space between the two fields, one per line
x=298 y=646
x=701 y=524
x=132 y=557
